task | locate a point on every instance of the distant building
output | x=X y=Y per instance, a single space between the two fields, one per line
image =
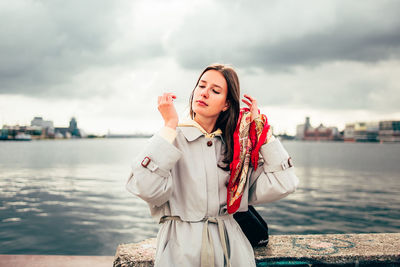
x=46 y=128
x=389 y=131
x=73 y=128
x=68 y=132
x=372 y=131
x=365 y=131
x=38 y=121
x=16 y=132
x=302 y=128
x=348 y=134
x=62 y=132
x=321 y=133
x=40 y=129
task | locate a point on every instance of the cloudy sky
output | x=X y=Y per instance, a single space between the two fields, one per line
x=105 y=62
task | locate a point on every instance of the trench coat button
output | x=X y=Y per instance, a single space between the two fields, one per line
x=209 y=143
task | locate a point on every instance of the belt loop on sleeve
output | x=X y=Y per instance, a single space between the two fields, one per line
x=149 y=164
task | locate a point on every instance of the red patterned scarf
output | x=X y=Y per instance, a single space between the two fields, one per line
x=248 y=138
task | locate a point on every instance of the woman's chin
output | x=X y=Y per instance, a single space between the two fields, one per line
x=200 y=111
x=203 y=114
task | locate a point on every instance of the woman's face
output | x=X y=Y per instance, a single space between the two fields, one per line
x=209 y=97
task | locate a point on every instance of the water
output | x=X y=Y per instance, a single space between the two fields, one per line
x=69 y=197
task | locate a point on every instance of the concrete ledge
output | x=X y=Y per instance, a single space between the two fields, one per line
x=296 y=250
x=140 y=254
x=54 y=261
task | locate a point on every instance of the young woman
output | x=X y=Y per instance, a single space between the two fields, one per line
x=196 y=175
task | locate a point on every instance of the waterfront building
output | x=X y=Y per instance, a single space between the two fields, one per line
x=348 y=134
x=372 y=131
x=366 y=131
x=72 y=131
x=302 y=128
x=40 y=129
x=389 y=131
x=321 y=133
x=73 y=128
x=62 y=132
x=17 y=132
x=38 y=121
x=45 y=127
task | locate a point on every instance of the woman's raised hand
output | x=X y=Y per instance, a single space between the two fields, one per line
x=252 y=106
x=167 y=110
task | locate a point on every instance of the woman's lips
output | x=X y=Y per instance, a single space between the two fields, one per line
x=201 y=103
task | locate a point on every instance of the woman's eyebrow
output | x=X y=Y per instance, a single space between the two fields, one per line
x=216 y=85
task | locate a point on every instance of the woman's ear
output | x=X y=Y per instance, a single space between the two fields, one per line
x=227 y=104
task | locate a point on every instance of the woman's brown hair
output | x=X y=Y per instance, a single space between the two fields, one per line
x=227 y=120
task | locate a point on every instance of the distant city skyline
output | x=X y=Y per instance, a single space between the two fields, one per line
x=142 y=131
x=336 y=62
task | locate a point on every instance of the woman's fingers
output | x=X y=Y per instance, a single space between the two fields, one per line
x=252 y=103
x=170 y=94
x=165 y=97
x=246 y=102
x=168 y=97
x=249 y=97
x=167 y=109
x=252 y=99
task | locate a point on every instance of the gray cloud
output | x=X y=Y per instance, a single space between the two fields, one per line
x=285 y=50
x=46 y=43
x=339 y=86
x=277 y=36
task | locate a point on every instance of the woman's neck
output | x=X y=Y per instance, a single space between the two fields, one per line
x=207 y=124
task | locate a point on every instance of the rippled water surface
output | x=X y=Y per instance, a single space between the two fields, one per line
x=69 y=197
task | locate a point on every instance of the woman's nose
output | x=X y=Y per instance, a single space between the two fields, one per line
x=204 y=92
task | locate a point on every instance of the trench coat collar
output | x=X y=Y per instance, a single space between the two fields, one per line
x=192 y=130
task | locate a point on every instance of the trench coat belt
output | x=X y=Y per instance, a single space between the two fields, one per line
x=207 y=246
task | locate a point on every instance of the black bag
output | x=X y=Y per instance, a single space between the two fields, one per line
x=253 y=226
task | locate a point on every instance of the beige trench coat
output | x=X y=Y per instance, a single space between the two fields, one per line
x=182 y=179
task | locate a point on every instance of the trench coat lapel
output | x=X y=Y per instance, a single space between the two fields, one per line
x=191 y=133
x=192 y=130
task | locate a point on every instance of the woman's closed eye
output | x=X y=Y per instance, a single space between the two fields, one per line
x=215 y=91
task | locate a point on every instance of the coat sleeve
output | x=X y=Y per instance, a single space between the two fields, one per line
x=153 y=183
x=270 y=181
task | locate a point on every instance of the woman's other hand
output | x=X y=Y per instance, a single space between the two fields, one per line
x=252 y=106
x=167 y=110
